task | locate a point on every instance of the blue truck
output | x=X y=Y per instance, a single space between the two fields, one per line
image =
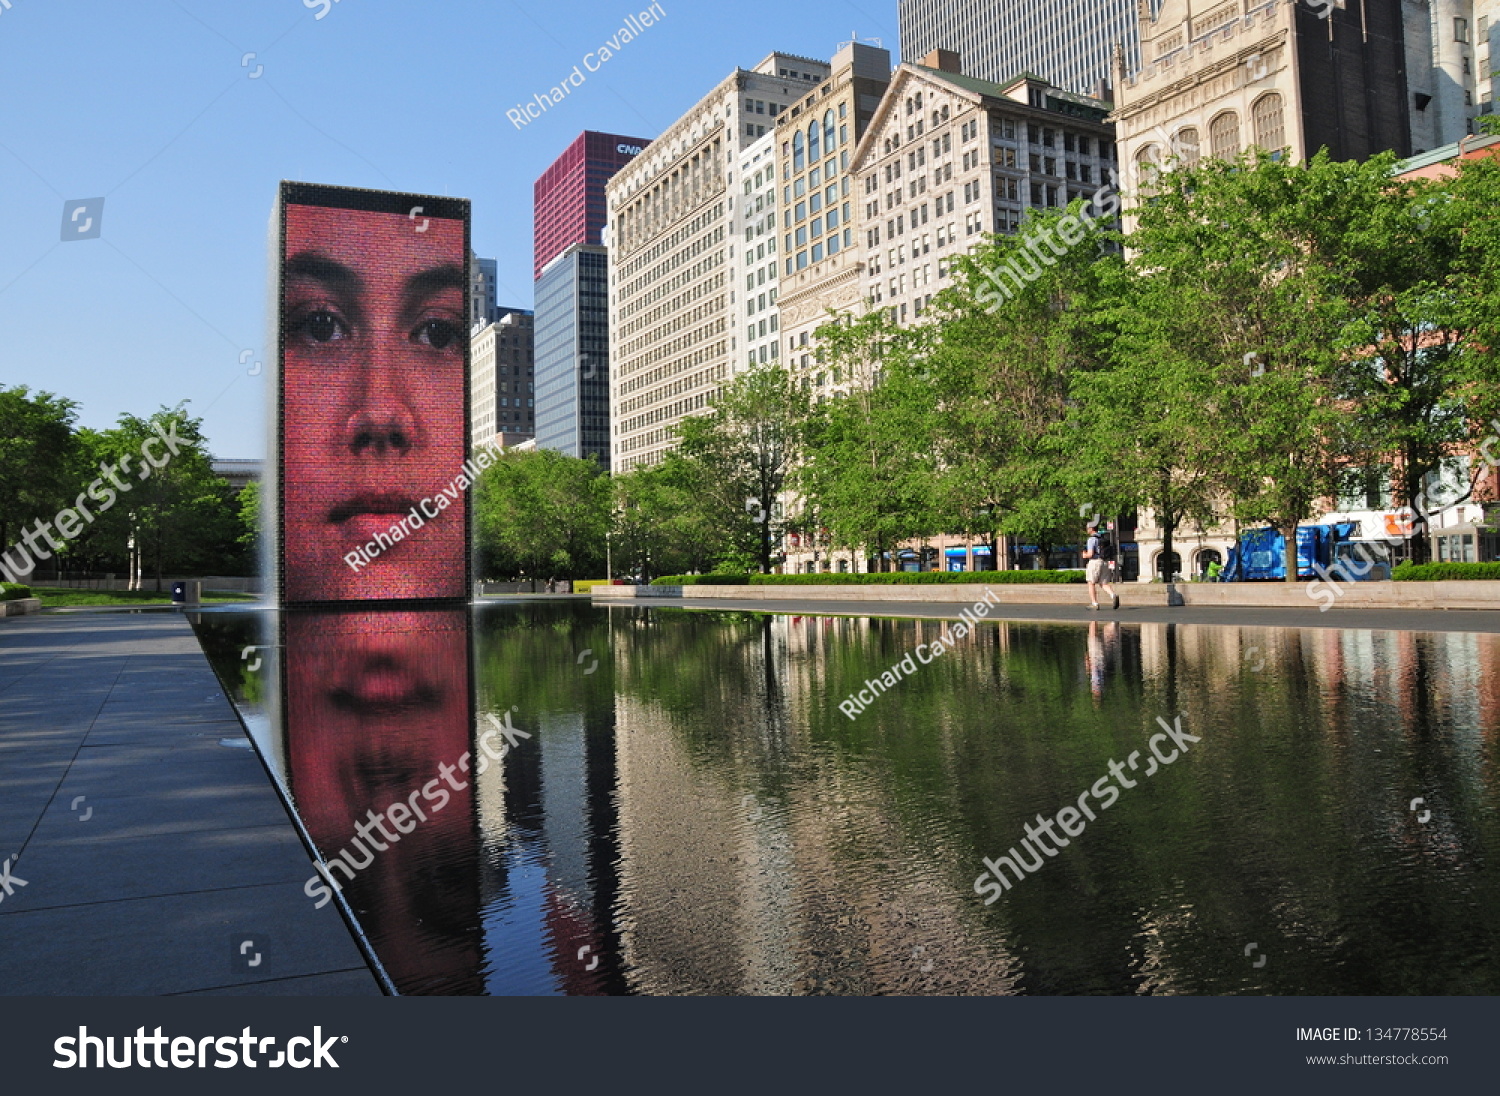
x=1260 y=555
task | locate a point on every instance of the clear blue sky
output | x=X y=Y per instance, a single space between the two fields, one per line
x=147 y=104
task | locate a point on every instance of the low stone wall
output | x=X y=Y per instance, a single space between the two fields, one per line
x=20 y=606
x=1262 y=595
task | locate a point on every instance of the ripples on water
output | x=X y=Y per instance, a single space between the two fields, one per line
x=692 y=813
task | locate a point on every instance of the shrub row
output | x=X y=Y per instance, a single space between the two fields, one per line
x=702 y=580
x=1442 y=572
x=918 y=578
x=13 y=591
x=896 y=578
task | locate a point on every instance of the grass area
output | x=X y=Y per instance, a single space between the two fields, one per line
x=56 y=596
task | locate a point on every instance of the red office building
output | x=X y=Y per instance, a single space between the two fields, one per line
x=569 y=196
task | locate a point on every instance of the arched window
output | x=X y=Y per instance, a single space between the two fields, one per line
x=1186 y=143
x=1270 y=133
x=1224 y=136
x=814 y=145
x=830 y=139
x=798 y=162
x=1147 y=164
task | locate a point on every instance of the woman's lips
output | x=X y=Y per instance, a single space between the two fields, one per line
x=383 y=504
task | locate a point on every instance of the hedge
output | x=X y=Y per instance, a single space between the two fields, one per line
x=702 y=580
x=13 y=591
x=918 y=578
x=1442 y=572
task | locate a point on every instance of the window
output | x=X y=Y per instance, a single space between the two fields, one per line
x=1460 y=30
x=1186 y=143
x=1266 y=116
x=814 y=142
x=1224 y=136
x=829 y=134
x=798 y=152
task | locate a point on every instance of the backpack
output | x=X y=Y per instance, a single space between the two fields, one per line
x=1106 y=548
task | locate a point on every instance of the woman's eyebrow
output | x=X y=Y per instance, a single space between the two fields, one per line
x=343 y=282
x=427 y=283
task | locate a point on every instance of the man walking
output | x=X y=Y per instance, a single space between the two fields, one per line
x=1100 y=553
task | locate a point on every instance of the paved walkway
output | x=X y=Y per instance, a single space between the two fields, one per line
x=1405 y=620
x=150 y=853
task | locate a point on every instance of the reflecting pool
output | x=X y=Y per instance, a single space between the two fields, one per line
x=547 y=797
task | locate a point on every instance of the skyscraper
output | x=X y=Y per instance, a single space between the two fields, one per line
x=1069 y=43
x=572 y=295
x=569 y=195
x=675 y=314
x=501 y=399
x=572 y=354
x=483 y=302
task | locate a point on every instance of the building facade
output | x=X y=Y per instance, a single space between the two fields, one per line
x=754 y=225
x=483 y=300
x=1069 y=43
x=822 y=218
x=568 y=199
x=572 y=354
x=1279 y=75
x=675 y=306
x=947 y=158
x=501 y=386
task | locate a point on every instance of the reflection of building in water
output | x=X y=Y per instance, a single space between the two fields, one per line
x=742 y=871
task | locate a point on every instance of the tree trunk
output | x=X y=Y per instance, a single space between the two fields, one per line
x=1289 y=534
x=1168 y=527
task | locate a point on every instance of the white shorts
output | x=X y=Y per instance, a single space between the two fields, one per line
x=1097 y=571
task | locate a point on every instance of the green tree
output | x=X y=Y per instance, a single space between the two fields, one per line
x=747 y=447
x=870 y=474
x=542 y=514
x=36 y=458
x=663 y=523
x=1021 y=323
x=178 y=516
x=1244 y=277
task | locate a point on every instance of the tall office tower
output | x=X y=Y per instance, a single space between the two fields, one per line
x=755 y=225
x=1450 y=80
x=949 y=158
x=1486 y=59
x=1278 y=75
x=483 y=302
x=568 y=198
x=501 y=397
x=572 y=354
x=674 y=307
x=821 y=259
x=1069 y=43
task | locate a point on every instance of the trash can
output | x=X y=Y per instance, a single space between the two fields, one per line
x=187 y=592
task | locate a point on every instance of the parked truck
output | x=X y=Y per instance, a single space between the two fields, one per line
x=1260 y=554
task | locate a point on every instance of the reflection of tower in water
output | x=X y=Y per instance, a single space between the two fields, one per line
x=377 y=723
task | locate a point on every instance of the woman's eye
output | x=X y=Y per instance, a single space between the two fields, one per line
x=323 y=326
x=438 y=334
